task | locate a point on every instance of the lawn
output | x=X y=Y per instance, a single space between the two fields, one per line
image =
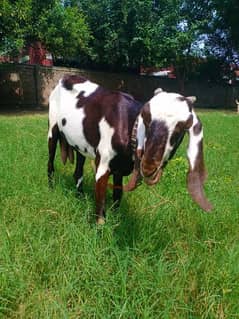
x=160 y=256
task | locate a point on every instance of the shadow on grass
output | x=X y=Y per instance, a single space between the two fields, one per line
x=130 y=228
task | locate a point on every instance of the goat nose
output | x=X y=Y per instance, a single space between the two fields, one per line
x=147 y=169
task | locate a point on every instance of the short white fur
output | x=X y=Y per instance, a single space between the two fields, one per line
x=167 y=107
x=194 y=141
x=140 y=133
x=73 y=130
x=87 y=87
x=79 y=182
x=105 y=149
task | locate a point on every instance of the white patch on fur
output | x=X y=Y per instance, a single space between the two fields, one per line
x=87 y=87
x=104 y=148
x=53 y=103
x=194 y=140
x=63 y=106
x=79 y=182
x=167 y=151
x=140 y=134
x=167 y=107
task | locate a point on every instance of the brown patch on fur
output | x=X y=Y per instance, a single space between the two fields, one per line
x=179 y=130
x=181 y=98
x=69 y=80
x=189 y=122
x=188 y=101
x=157 y=137
x=120 y=111
x=197 y=128
x=146 y=114
x=178 y=133
x=196 y=179
x=135 y=179
x=95 y=109
x=81 y=100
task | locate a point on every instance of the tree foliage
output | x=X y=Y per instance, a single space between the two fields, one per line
x=15 y=17
x=224 y=32
x=124 y=34
x=145 y=32
x=63 y=29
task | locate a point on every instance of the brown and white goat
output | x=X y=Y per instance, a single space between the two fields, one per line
x=108 y=125
x=96 y=123
x=163 y=122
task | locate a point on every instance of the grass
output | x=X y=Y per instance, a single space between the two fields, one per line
x=160 y=256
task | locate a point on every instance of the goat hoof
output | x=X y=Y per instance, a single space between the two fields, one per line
x=100 y=221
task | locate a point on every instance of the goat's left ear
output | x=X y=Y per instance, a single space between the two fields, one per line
x=146 y=114
x=191 y=99
x=157 y=91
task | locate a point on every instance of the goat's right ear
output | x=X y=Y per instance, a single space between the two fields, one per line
x=191 y=99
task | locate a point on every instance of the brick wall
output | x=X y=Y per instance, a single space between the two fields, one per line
x=28 y=87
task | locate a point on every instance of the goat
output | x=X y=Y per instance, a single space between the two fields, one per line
x=96 y=123
x=163 y=122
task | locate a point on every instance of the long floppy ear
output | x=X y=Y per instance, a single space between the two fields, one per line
x=136 y=177
x=144 y=120
x=197 y=173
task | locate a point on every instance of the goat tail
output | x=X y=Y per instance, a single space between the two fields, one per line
x=197 y=173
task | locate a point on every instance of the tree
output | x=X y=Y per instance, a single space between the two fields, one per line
x=192 y=18
x=14 y=19
x=63 y=29
x=125 y=33
x=128 y=34
x=224 y=32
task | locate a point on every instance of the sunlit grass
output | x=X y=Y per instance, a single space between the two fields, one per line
x=160 y=256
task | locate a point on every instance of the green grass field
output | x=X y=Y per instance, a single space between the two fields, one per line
x=160 y=256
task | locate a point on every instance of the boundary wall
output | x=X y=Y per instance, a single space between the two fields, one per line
x=27 y=87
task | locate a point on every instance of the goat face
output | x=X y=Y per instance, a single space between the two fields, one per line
x=165 y=120
x=156 y=138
